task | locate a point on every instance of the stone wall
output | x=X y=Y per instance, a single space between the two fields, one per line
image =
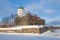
x=28 y=30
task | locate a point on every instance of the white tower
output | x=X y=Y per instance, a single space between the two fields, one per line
x=20 y=11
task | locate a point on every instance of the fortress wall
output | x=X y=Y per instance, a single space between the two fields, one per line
x=25 y=29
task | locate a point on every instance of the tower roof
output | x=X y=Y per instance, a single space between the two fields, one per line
x=21 y=7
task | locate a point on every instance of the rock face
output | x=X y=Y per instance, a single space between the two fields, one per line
x=28 y=20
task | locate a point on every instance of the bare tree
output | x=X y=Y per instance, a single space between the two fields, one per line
x=11 y=19
x=5 y=21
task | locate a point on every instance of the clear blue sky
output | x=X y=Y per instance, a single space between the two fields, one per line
x=46 y=9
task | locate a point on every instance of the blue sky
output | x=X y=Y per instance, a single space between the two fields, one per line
x=46 y=9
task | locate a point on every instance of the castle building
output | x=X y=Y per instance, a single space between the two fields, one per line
x=27 y=19
x=26 y=24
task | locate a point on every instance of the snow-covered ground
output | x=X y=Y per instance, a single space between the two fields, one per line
x=25 y=36
x=51 y=34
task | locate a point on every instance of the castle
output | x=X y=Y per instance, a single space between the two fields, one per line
x=27 y=19
x=26 y=24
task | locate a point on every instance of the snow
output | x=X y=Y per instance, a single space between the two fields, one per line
x=45 y=34
x=20 y=27
x=27 y=34
x=30 y=36
x=24 y=37
x=31 y=26
x=48 y=35
x=51 y=34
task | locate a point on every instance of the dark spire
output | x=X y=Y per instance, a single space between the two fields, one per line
x=21 y=7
